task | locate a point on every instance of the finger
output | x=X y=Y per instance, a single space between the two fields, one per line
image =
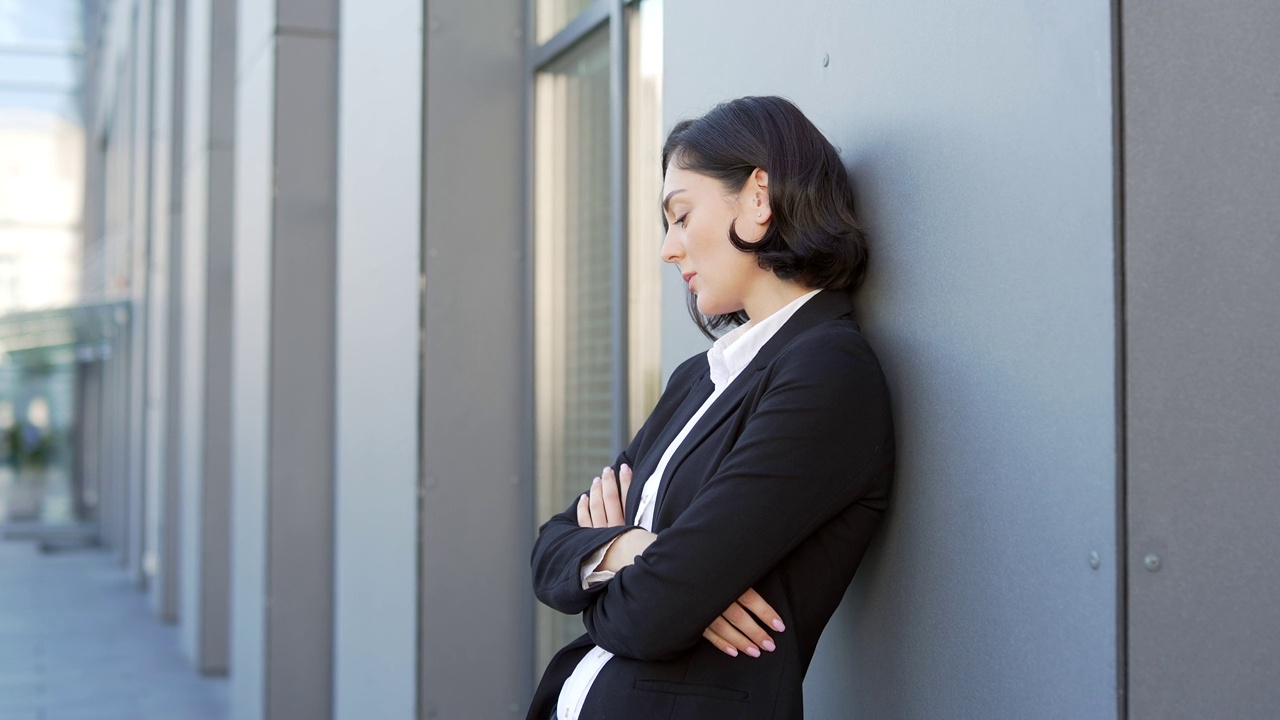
x=624 y=480
x=752 y=601
x=596 y=504
x=724 y=646
x=612 y=505
x=721 y=627
x=584 y=512
x=747 y=625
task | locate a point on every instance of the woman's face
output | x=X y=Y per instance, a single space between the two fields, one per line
x=699 y=214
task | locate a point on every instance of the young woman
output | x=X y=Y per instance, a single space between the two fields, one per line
x=707 y=561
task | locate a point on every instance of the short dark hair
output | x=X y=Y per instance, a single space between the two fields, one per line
x=813 y=236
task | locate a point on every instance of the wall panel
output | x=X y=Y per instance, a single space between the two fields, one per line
x=1202 y=167
x=980 y=141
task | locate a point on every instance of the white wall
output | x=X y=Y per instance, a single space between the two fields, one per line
x=378 y=383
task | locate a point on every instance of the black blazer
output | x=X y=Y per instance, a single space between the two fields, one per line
x=778 y=487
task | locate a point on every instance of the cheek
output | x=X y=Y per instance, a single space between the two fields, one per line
x=708 y=243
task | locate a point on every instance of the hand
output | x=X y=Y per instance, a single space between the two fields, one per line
x=736 y=628
x=603 y=506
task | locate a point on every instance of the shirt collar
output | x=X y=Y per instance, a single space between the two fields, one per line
x=731 y=354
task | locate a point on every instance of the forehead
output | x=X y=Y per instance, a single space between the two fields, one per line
x=679 y=178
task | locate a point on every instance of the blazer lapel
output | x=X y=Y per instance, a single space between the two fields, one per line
x=699 y=391
x=826 y=305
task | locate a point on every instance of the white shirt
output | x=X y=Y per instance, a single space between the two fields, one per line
x=727 y=358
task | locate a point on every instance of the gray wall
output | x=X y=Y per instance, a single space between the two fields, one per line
x=476 y=604
x=164 y=286
x=1202 y=331
x=378 y=373
x=980 y=139
x=206 y=333
x=141 y=503
x=283 y=366
x=254 y=155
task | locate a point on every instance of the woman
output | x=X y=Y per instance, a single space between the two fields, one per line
x=707 y=561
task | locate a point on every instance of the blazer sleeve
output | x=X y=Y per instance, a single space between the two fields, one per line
x=562 y=546
x=818 y=439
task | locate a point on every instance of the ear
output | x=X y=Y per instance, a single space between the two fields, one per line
x=756 y=197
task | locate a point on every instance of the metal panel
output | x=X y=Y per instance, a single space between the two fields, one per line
x=205 y=417
x=142 y=499
x=299 y=600
x=310 y=16
x=191 y=446
x=979 y=136
x=476 y=605
x=254 y=169
x=171 y=559
x=164 y=286
x=376 y=437
x=1202 y=178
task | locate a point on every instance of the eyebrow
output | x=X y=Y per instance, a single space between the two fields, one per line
x=666 y=202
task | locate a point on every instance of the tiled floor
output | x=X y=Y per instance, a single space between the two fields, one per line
x=78 y=641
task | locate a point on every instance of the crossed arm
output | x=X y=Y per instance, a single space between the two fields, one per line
x=737 y=628
x=817 y=439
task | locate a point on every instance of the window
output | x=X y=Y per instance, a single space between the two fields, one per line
x=596 y=238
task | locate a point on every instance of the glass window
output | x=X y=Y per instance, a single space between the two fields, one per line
x=644 y=221
x=576 y=379
x=550 y=16
x=572 y=260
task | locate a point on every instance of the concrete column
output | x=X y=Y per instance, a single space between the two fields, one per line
x=378 y=300
x=163 y=313
x=141 y=503
x=206 y=332
x=473 y=411
x=283 y=359
x=1201 y=118
x=123 y=487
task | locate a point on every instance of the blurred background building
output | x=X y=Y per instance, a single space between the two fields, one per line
x=311 y=310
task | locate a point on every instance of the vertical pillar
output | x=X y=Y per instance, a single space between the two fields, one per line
x=120 y=410
x=162 y=315
x=1201 y=118
x=206 y=332
x=376 y=442
x=473 y=325
x=283 y=359
x=138 y=554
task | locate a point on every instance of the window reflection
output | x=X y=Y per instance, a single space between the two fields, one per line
x=572 y=258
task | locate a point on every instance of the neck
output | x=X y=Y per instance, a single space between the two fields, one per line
x=770 y=296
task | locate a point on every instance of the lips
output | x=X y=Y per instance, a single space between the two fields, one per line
x=688 y=276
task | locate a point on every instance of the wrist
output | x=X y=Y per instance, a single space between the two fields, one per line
x=625 y=549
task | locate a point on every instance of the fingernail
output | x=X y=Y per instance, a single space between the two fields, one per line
x=596 y=481
x=753 y=651
x=606 y=471
x=731 y=651
x=777 y=625
x=768 y=645
x=626 y=467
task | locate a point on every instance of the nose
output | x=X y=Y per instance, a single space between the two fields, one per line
x=672 y=250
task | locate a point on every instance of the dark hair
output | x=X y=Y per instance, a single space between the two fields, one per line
x=812 y=236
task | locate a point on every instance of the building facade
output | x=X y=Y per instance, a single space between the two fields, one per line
x=390 y=292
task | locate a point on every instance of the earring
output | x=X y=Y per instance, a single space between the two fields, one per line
x=759 y=214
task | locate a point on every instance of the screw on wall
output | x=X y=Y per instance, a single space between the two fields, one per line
x=1151 y=562
x=826 y=59
x=1095 y=560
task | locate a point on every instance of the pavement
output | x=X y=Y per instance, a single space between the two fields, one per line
x=79 y=641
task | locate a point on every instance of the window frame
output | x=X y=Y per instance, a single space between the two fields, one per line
x=617 y=15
